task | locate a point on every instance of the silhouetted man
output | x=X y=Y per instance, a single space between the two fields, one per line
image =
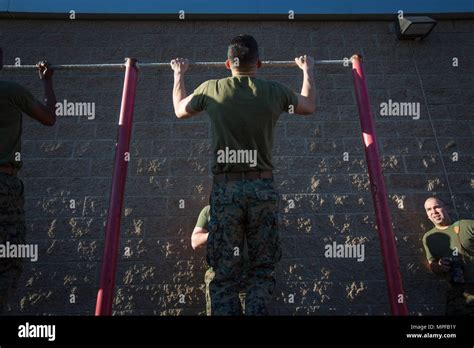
x=15 y=100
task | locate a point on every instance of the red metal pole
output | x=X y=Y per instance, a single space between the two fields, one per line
x=396 y=294
x=105 y=295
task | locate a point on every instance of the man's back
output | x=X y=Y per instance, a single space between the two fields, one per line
x=243 y=112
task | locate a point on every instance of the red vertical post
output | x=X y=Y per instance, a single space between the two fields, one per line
x=396 y=295
x=105 y=294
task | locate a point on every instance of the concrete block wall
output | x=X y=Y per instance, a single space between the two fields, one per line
x=324 y=198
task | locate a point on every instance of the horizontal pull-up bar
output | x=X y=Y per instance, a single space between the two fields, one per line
x=269 y=63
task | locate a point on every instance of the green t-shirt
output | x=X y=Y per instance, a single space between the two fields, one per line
x=243 y=112
x=204 y=217
x=447 y=243
x=14 y=99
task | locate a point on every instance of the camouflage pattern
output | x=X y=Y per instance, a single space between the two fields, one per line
x=243 y=209
x=460 y=299
x=12 y=229
x=210 y=274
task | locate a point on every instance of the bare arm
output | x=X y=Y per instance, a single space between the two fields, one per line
x=307 y=98
x=45 y=113
x=199 y=237
x=181 y=100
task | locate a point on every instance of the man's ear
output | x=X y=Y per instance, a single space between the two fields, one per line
x=227 y=64
x=259 y=64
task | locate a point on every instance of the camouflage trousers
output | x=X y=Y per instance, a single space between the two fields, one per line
x=460 y=299
x=12 y=229
x=243 y=210
x=208 y=277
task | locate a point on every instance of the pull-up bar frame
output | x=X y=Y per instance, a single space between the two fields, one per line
x=395 y=290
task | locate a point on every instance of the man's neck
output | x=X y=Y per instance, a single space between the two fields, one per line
x=444 y=225
x=250 y=72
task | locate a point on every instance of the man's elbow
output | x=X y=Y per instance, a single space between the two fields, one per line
x=180 y=113
x=185 y=112
x=310 y=109
x=177 y=112
x=310 y=105
x=307 y=110
x=49 y=121
x=306 y=106
x=195 y=244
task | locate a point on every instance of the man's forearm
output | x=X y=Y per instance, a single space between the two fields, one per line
x=179 y=90
x=49 y=96
x=308 y=90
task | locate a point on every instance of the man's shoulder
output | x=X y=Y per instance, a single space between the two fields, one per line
x=466 y=222
x=204 y=86
x=272 y=83
x=212 y=86
x=214 y=82
x=280 y=89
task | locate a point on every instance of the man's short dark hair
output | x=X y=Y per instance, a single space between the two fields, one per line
x=245 y=48
x=443 y=203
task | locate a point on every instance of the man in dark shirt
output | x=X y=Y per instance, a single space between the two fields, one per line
x=15 y=100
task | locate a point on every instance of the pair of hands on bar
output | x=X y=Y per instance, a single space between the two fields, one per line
x=181 y=65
